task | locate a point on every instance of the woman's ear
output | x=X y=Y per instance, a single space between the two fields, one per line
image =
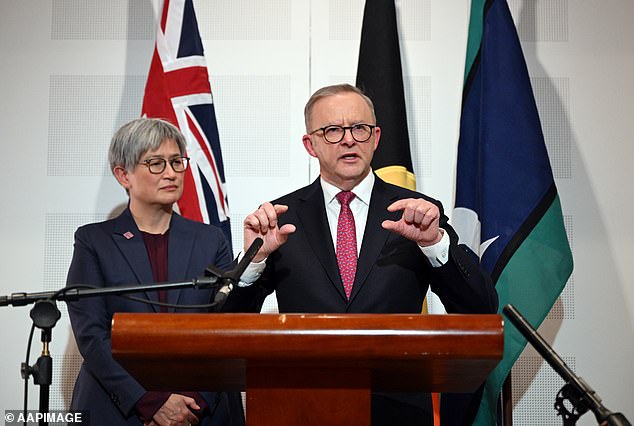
x=122 y=177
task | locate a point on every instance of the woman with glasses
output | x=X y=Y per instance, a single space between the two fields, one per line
x=147 y=243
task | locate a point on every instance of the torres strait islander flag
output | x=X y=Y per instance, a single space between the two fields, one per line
x=507 y=207
x=178 y=91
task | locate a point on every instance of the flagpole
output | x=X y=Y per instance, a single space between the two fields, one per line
x=506 y=402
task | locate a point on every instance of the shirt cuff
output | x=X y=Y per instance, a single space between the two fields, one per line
x=150 y=403
x=252 y=272
x=438 y=254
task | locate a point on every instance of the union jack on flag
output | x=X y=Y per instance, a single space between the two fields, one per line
x=178 y=91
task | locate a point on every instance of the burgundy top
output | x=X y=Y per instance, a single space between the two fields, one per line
x=151 y=401
x=156 y=246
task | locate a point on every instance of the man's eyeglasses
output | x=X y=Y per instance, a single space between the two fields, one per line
x=334 y=134
x=157 y=165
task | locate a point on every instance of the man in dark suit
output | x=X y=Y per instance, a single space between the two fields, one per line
x=147 y=243
x=351 y=243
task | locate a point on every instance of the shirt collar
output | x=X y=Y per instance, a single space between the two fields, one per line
x=362 y=192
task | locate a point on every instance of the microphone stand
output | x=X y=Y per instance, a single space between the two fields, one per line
x=45 y=313
x=576 y=391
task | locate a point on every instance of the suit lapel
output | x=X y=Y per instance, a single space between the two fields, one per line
x=374 y=236
x=312 y=215
x=128 y=238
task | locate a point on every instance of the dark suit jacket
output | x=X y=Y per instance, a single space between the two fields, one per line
x=392 y=276
x=113 y=253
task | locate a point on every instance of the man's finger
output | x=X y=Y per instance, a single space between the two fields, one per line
x=264 y=218
x=419 y=213
x=431 y=215
x=287 y=229
x=284 y=232
x=397 y=205
x=280 y=208
x=390 y=225
x=269 y=215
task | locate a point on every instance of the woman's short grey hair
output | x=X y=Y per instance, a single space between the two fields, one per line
x=335 y=89
x=139 y=136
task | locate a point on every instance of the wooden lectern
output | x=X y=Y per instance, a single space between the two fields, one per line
x=308 y=369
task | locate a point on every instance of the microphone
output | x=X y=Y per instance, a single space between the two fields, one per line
x=233 y=277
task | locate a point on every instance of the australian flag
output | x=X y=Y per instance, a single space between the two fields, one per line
x=178 y=91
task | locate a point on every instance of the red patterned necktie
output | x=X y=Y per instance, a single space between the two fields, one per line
x=346 y=242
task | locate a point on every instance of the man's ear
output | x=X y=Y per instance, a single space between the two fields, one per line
x=122 y=177
x=308 y=145
x=377 y=136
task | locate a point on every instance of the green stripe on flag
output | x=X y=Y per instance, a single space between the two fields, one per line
x=529 y=281
x=475 y=34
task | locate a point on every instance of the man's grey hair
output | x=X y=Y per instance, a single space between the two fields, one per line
x=335 y=89
x=139 y=136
